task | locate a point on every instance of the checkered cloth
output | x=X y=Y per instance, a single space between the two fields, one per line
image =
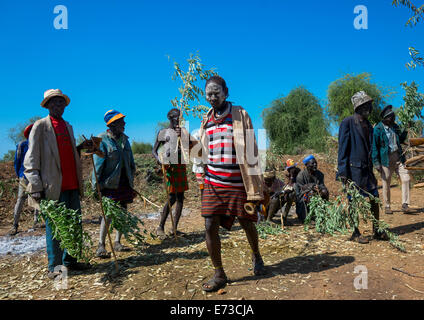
x=177 y=176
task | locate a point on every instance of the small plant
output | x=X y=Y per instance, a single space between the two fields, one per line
x=342 y=215
x=66 y=225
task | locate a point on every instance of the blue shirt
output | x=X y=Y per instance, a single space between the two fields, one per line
x=21 y=150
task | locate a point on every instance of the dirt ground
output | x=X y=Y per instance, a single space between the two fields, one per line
x=301 y=264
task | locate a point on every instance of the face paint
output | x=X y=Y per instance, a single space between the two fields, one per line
x=174 y=119
x=215 y=95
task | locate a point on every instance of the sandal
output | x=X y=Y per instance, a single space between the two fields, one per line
x=214 y=284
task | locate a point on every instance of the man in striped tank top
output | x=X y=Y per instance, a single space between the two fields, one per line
x=226 y=136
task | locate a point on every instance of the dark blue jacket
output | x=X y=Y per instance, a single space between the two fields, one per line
x=21 y=150
x=354 y=157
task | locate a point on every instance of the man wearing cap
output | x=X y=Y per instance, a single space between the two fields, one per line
x=309 y=182
x=53 y=169
x=115 y=173
x=21 y=150
x=387 y=157
x=354 y=157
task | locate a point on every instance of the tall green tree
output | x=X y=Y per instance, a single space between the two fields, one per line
x=296 y=122
x=341 y=91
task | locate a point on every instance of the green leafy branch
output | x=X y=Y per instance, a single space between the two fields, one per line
x=418 y=15
x=190 y=92
x=66 y=225
x=126 y=223
x=342 y=215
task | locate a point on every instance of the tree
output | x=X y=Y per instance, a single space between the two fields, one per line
x=296 y=122
x=341 y=91
x=16 y=134
x=418 y=15
x=8 y=156
x=411 y=109
x=141 y=147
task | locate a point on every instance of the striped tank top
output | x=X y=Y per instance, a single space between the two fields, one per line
x=222 y=169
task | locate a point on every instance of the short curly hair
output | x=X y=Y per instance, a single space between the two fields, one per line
x=219 y=80
x=172 y=112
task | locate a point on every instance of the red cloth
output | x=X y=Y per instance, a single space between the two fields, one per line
x=66 y=154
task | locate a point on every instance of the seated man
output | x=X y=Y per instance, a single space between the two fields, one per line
x=289 y=195
x=273 y=189
x=309 y=182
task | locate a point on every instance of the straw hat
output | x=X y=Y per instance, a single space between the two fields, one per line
x=48 y=94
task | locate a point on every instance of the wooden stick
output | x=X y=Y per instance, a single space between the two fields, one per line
x=414 y=168
x=416 y=141
x=104 y=216
x=414 y=160
x=145 y=199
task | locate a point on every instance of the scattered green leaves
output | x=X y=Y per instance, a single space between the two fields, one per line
x=266 y=228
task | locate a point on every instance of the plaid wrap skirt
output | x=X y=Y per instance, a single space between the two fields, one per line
x=227 y=203
x=177 y=177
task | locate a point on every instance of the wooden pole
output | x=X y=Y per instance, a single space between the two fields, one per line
x=104 y=216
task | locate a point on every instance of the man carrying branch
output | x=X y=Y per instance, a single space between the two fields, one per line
x=354 y=157
x=169 y=153
x=115 y=173
x=53 y=169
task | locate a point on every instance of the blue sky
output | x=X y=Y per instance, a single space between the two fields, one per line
x=113 y=54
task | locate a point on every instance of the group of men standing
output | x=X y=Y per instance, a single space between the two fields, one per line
x=227 y=176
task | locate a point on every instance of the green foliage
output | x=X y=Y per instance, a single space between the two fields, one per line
x=141 y=147
x=411 y=109
x=266 y=228
x=190 y=92
x=16 y=134
x=342 y=215
x=295 y=123
x=8 y=156
x=418 y=15
x=416 y=59
x=125 y=222
x=341 y=91
x=66 y=225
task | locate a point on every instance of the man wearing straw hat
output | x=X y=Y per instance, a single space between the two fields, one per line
x=388 y=157
x=354 y=157
x=115 y=173
x=21 y=150
x=53 y=169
